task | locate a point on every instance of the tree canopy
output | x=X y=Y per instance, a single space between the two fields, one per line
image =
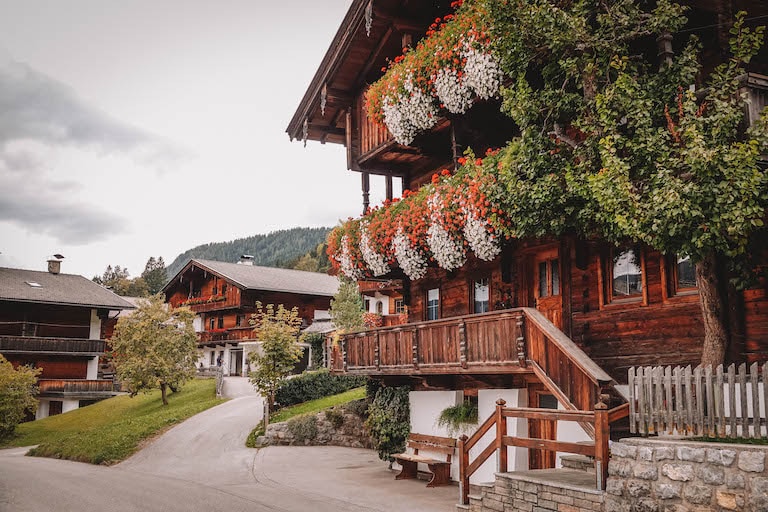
x=154 y=274
x=347 y=307
x=155 y=347
x=18 y=387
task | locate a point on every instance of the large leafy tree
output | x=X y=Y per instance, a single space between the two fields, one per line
x=155 y=347
x=17 y=394
x=277 y=328
x=154 y=274
x=615 y=143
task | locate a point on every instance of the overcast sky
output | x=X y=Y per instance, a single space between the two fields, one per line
x=138 y=128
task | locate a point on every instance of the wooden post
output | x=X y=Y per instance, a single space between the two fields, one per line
x=602 y=435
x=344 y=353
x=522 y=356
x=463 y=349
x=415 y=348
x=388 y=182
x=501 y=431
x=463 y=477
x=366 y=182
x=377 y=353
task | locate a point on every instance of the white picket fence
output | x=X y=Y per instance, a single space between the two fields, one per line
x=719 y=402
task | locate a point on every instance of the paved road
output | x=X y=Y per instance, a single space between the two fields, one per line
x=202 y=464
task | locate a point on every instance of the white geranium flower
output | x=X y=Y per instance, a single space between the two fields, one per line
x=448 y=253
x=375 y=261
x=411 y=259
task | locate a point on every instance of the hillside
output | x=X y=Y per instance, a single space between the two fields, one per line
x=281 y=248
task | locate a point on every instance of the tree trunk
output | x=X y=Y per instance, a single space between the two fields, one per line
x=163 y=389
x=715 y=335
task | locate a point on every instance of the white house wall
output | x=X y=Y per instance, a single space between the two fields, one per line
x=571 y=432
x=95 y=326
x=426 y=407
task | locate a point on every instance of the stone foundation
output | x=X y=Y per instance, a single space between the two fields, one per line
x=351 y=433
x=663 y=475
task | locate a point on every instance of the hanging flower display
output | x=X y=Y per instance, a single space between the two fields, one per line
x=447 y=250
x=449 y=68
x=376 y=262
x=409 y=257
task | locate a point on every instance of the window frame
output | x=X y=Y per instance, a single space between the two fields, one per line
x=605 y=268
x=427 y=307
x=399 y=306
x=670 y=290
x=472 y=294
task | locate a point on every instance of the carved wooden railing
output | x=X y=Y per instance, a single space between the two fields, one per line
x=74 y=386
x=600 y=418
x=233 y=334
x=372 y=134
x=60 y=345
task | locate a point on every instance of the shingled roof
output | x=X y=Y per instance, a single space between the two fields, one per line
x=44 y=287
x=252 y=277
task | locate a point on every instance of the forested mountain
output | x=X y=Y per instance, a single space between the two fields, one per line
x=284 y=248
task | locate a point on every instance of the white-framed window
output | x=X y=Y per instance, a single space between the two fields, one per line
x=433 y=304
x=481 y=295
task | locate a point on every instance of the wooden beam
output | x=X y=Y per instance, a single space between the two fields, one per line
x=373 y=57
x=366 y=182
x=550 y=445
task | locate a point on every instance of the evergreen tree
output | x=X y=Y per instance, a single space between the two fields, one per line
x=347 y=307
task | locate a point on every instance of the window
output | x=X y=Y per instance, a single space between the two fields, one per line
x=379 y=307
x=433 y=304
x=224 y=289
x=685 y=274
x=215 y=290
x=548 y=276
x=212 y=323
x=367 y=305
x=213 y=358
x=239 y=320
x=625 y=281
x=399 y=306
x=221 y=322
x=55 y=407
x=481 y=295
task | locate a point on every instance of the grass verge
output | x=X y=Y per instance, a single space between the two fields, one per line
x=111 y=430
x=311 y=407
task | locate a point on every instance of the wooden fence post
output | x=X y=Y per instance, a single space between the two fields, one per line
x=463 y=477
x=602 y=435
x=501 y=431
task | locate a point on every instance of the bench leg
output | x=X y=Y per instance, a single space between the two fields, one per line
x=409 y=470
x=441 y=474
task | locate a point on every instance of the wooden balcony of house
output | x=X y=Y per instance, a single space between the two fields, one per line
x=212 y=303
x=56 y=387
x=33 y=344
x=222 y=336
x=510 y=341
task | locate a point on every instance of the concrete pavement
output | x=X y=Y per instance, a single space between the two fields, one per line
x=203 y=464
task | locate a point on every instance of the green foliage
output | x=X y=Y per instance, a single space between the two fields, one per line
x=315 y=340
x=277 y=329
x=111 y=430
x=358 y=408
x=303 y=428
x=311 y=407
x=119 y=281
x=155 y=347
x=457 y=417
x=313 y=385
x=335 y=417
x=347 y=307
x=389 y=421
x=315 y=260
x=17 y=394
x=154 y=274
x=282 y=248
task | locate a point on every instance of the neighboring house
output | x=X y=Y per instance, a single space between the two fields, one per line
x=224 y=296
x=53 y=321
x=549 y=323
x=384 y=298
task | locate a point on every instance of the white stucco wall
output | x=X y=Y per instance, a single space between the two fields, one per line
x=426 y=407
x=66 y=406
x=95 y=330
x=569 y=431
x=374 y=299
x=92 y=372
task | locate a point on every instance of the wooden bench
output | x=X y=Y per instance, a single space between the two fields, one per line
x=440 y=469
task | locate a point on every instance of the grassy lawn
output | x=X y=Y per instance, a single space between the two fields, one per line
x=111 y=430
x=311 y=407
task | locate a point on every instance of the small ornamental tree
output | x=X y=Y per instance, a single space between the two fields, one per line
x=17 y=394
x=155 y=347
x=347 y=307
x=277 y=329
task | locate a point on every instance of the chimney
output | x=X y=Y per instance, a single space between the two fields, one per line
x=246 y=259
x=54 y=264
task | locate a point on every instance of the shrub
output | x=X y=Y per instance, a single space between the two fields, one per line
x=313 y=385
x=358 y=407
x=335 y=417
x=303 y=428
x=389 y=421
x=17 y=395
x=457 y=417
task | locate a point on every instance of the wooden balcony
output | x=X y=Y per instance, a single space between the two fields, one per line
x=501 y=342
x=31 y=344
x=231 y=300
x=74 y=386
x=232 y=335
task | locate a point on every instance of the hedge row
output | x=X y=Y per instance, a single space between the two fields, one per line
x=312 y=385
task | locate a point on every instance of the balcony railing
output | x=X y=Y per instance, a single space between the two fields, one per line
x=510 y=341
x=53 y=345
x=74 y=386
x=43 y=329
x=233 y=334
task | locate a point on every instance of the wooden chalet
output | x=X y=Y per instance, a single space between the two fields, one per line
x=548 y=323
x=224 y=295
x=54 y=321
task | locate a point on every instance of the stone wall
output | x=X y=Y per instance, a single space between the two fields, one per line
x=524 y=492
x=663 y=475
x=319 y=429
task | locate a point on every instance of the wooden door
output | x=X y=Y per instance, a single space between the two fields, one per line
x=541 y=429
x=547 y=287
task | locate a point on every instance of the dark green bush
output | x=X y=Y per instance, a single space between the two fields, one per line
x=389 y=421
x=313 y=385
x=358 y=407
